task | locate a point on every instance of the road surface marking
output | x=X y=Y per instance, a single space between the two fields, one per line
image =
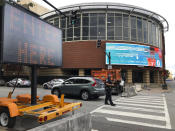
x=152 y=101
x=140 y=105
x=97 y=109
x=167 y=117
x=135 y=123
x=130 y=114
x=140 y=102
x=138 y=109
x=145 y=98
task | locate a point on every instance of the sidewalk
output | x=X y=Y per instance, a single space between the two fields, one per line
x=156 y=90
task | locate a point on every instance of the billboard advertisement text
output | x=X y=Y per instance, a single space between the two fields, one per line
x=132 y=54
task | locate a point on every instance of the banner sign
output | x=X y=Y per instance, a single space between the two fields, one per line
x=133 y=54
x=29 y=40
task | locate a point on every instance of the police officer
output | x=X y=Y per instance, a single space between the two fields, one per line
x=108 y=86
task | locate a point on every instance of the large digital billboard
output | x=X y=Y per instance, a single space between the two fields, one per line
x=29 y=40
x=132 y=54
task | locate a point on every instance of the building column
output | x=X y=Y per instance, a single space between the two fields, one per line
x=157 y=77
x=81 y=72
x=129 y=76
x=146 y=77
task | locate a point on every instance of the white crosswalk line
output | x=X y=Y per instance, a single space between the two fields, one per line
x=135 y=123
x=140 y=105
x=140 y=102
x=130 y=114
x=153 y=101
x=139 y=109
x=146 y=98
x=167 y=117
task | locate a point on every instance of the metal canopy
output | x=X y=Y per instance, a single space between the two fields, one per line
x=108 y=6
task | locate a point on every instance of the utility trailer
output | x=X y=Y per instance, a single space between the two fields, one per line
x=48 y=108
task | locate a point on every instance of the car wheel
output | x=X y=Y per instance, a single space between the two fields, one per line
x=6 y=120
x=85 y=95
x=57 y=92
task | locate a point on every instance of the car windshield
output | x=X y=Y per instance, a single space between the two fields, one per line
x=99 y=81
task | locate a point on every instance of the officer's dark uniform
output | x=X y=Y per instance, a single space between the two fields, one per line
x=108 y=92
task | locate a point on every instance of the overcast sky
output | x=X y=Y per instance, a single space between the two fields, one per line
x=163 y=7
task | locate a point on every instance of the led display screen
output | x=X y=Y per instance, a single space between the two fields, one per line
x=29 y=40
x=132 y=54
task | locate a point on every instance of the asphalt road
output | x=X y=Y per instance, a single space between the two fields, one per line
x=23 y=123
x=144 y=112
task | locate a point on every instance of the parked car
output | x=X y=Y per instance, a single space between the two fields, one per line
x=21 y=82
x=2 y=82
x=85 y=87
x=50 y=84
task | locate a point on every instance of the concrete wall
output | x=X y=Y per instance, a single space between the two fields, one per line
x=129 y=76
x=146 y=77
x=78 y=122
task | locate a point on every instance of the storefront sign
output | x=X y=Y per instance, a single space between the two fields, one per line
x=132 y=54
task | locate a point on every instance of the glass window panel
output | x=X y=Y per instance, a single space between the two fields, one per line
x=118 y=33
x=93 y=33
x=150 y=33
x=85 y=38
x=77 y=23
x=63 y=23
x=110 y=21
x=118 y=14
x=139 y=29
x=56 y=22
x=101 y=38
x=86 y=31
x=51 y=22
x=158 y=35
x=101 y=31
x=93 y=14
x=93 y=21
x=101 y=20
x=76 y=33
x=70 y=32
x=110 y=37
x=69 y=39
x=133 y=34
x=85 y=15
x=126 y=33
x=154 y=34
x=85 y=21
x=145 y=31
x=133 y=22
x=118 y=21
x=110 y=14
x=69 y=25
x=110 y=31
x=63 y=33
x=125 y=20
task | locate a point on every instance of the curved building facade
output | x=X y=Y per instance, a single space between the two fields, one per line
x=134 y=37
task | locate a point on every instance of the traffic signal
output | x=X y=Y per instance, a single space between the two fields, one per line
x=73 y=17
x=98 y=43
